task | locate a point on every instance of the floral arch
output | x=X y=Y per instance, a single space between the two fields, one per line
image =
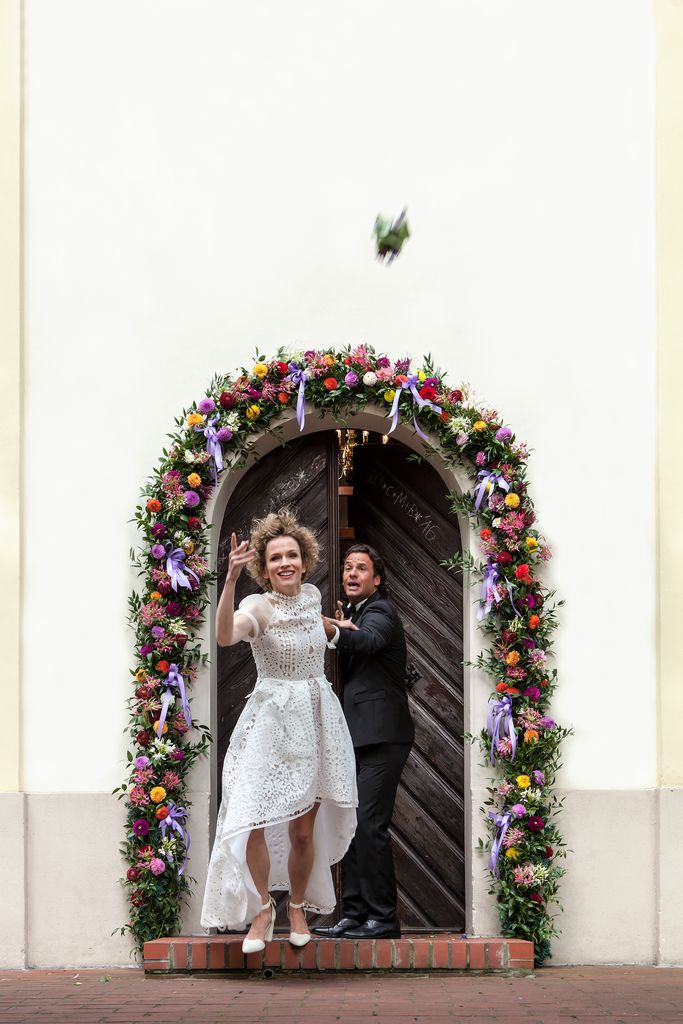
x=516 y=614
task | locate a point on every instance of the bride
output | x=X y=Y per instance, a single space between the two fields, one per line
x=289 y=777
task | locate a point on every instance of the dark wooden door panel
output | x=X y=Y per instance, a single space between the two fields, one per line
x=400 y=506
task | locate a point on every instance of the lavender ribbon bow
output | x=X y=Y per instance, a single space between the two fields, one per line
x=213 y=445
x=297 y=375
x=175 y=820
x=500 y=721
x=492 y=477
x=409 y=385
x=178 y=572
x=173 y=678
x=502 y=822
x=489 y=591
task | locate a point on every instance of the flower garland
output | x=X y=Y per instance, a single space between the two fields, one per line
x=516 y=613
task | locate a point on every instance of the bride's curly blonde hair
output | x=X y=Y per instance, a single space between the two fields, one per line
x=282 y=523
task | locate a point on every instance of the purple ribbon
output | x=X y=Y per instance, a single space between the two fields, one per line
x=173 y=678
x=409 y=385
x=175 y=821
x=489 y=591
x=178 y=572
x=502 y=822
x=213 y=445
x=297 y=375
x=492 y=477
x=500 y=721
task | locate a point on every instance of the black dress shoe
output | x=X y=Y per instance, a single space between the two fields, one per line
x=375 y=930
x=335 y=931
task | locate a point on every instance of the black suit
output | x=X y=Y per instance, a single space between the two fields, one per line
x=373 y=664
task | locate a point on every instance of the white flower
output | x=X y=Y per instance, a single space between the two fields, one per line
x=162 y=749
x=370 y=379
x=496 y=522
x=188 y=455
x=231 y=420
x=459 y=425
x=308 y=374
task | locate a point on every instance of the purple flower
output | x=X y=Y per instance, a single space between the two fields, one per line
x=158 y=530
x=430 y=382
x=504 y=434
x=480 y=459
x=519 y=810
x=224 y=434
x=178 y=754
x=547 y=723
x=530 y=601
x=157 y=866
x=402 y=365
x=140 y=827
x=146 y=649
x=351 y=379
x=158 y=551
x=309 y=354
x=535 y=824
x=528 y=643
x=254 y=392
x=531 y=691
x=173 y=608
x=539 y=777
x=206 y=405
x=191 y=499
x=157 y=632
x=383 y=362
x=141 y=762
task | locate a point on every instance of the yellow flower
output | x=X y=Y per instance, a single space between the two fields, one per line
x=260 y=370
x=194 y=419
x=523 y=781
x=512 y=658
x=253 y=412
x=422 y=375
x=188 y=547
x=530 y=736
x=157 y=794
x=141 y=675
x=194 y=479
x=163 y=731
x=479 y=425
x=512 y=500
x=531 y=543
x=512 y=854
x=389 y=395
x=330 y=360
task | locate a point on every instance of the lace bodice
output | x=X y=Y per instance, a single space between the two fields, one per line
x=288 y=640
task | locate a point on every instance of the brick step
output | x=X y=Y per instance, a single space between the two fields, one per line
x=190 y=953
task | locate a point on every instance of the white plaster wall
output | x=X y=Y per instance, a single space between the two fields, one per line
x=201 y=180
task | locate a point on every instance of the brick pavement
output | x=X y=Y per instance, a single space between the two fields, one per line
x=621 y=995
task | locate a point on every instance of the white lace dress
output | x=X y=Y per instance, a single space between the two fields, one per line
x=290 y=749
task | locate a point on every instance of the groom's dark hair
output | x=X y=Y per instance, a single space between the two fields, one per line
x=377 y=563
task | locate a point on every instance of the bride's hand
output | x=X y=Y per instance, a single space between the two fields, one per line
x=240 y=555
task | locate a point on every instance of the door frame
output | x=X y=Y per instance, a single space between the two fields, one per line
x=481 y=915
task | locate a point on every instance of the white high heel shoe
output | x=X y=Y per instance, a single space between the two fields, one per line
x=256 y=945
x=299 y=939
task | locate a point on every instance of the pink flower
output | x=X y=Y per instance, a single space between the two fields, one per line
x=512 y=837
x=170 y=780
x=504 y=747
x=157 y=866
x=138 y=796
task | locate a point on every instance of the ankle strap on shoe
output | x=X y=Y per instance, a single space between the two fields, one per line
x=268 y=905
x=297 y=906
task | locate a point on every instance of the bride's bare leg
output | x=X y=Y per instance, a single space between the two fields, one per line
x=258 y=862
x=300 y=864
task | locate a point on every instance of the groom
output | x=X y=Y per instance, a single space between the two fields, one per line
x=372 y=657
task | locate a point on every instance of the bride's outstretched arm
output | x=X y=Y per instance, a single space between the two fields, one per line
x=230 y=630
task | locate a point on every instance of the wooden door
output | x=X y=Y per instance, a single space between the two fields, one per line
x=400 y=507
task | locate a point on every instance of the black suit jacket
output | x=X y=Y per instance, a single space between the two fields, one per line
x=373 y=665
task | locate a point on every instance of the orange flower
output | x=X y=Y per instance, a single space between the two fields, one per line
x=331 y=383
x=153 y=505
x=444 y=416
x=534 y=621
x=513 y=691
x=161 y=813
x=164 y=730
x=530 y=736
x=512 y=658
x=501 y=687
x=163 y=667
x=194 y=479
x=283 y=398
x=155 y=596
x=485 y=533
x=157 y=794
x=194 y=419
x=329 y=360
x=399 y=379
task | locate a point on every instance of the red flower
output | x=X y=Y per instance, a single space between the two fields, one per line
x=143 y=738
x=137 y=898
x=193 y=523
x=132 y=874
x=522 y=573
x=227 y=400
x=283 y=398
x=535 y=897
x=549 y=852
x=455 y=396
x=164 y=587
x=161 y=813
x=504 y=558
x=153 y=505
x=508 y=636
x=146 y=850
x=444 y=416
x=428 y=393
x=501 y=687
x=400 y=379
x=513 y=691
x=331 y=383
x=485 y=533
x=143 y=692
x=347 y=361
x=283 y=368
x=534 y=622
x=163 y=667
x=544 y=684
